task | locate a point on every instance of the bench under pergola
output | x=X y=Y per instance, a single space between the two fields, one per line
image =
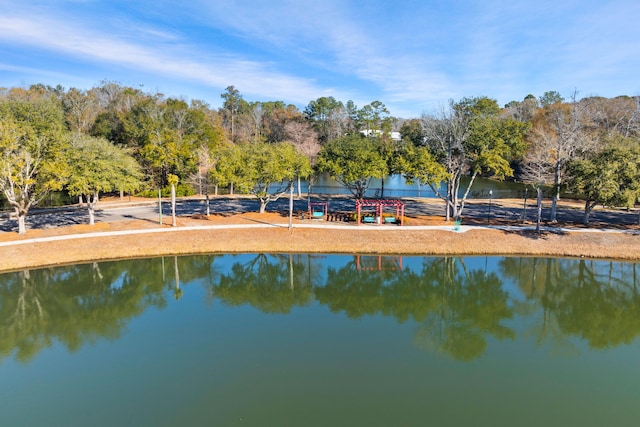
x=379 y=205
x=318 y=210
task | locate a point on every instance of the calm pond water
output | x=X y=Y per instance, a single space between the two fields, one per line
x=311 y=340
x=396 y=186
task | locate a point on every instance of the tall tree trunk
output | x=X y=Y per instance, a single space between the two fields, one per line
x=232 y=127
x=556 y=194
x=588 y=207
x=448 y=202
x=291 y=205
x=160 y=206
x=173 y=205
x=461 y=201
x=539 y=209
x=91 y=209
x=22 y=226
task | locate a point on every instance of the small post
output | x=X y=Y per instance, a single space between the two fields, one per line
x=539 y=208
x=160 y=205
x=490 y=202
x=524 y=210
x=173 y=181
x=173 y=206
x=290 y=205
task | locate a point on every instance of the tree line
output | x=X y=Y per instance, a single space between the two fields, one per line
x=119 y=138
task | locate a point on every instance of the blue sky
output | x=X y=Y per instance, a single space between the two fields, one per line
x=413 y=55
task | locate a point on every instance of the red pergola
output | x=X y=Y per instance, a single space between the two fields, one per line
x=380 y=204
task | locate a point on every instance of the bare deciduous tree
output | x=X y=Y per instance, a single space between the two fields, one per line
x=81 y=109
x=305 y=139
x=560 y=133
x=256 y=113
x=537 y=170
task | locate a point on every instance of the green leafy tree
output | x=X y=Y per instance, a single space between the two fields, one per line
x=412 y=131
x=470 y=139
x=227 y=167
x=31 y=143
x=95 y=166
x=232 y=107
x=551 y=97
x=115 y=102
x=609 y=177
x=166 y=136
x=417 y=165
x=374 y=120
x=328 y=117
x=353 y=161
x=264 y=170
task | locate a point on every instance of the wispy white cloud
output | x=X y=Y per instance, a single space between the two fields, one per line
x=32 y=75
x=335 y=36
x=169 y=55
x=412 y=56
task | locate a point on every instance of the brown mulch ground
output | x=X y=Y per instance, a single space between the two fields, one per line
x=387 y=239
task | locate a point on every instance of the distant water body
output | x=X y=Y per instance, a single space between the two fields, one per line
x=396 y=186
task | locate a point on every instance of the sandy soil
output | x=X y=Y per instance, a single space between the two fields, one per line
x=34 y=249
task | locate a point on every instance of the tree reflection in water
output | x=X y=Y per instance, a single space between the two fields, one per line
x=74 y=305
x=273 y=284
x=596 y=301
x=471 y=306
x=456 y=309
